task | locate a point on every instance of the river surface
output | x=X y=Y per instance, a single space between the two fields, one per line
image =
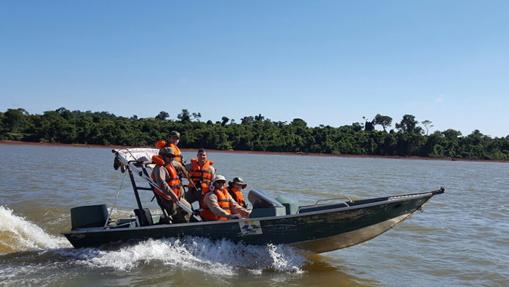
x=461 y=238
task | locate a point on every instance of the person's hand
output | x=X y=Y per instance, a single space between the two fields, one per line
x=245 y=213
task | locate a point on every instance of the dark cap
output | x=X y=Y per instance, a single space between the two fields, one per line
x=167 y=152
x=174 y=134
x=238 y=181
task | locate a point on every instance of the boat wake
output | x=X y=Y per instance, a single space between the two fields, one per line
x=19 y=234
x=213 y=257
x=24 y=244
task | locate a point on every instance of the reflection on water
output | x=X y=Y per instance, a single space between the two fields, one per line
x=460 y=239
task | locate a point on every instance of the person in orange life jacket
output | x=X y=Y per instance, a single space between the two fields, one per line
x=173 y=141
x=201 y=172
x=166 y=176
x=235 y=188
x=219 y=205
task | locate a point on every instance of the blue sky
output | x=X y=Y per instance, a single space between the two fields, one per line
x=328 y=62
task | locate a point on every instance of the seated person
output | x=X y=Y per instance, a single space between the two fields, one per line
x=201 y=171
x=235 y=188
x=219 y=205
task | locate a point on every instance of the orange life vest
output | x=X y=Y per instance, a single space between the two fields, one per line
x=224 y=203
x=238 y=196
x=173 y=181
x=162 y=144
x=201 y=174
x=177 y=152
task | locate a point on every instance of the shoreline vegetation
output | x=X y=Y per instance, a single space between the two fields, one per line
x=25 y=143
x=409 y=139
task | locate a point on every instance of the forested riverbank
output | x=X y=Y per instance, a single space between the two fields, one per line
x=378 y=136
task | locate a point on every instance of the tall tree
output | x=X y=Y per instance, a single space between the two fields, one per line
x=162 y=116
x=224 y=120
x=184 y=116
x=15 y=119
x=408 y=125
x=384 y=121
x=197 y=116
x=427 y=125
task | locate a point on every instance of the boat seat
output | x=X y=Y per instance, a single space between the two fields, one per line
x=89 y=216
x=264 y=206
x=260 y=199
x=290 y=205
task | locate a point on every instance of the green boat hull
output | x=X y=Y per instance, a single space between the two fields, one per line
x=320 y=229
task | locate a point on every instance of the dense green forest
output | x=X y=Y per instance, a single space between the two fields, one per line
x=253 y=133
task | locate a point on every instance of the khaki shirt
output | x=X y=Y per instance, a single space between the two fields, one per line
x=210 y=200
x=161 y=175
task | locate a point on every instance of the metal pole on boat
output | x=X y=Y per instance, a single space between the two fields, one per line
x=133 y=183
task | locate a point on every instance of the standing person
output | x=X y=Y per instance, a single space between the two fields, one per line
x=219 y=205
x=166 y=176
x=173 y=141
x=235 y=188
x=201 y=172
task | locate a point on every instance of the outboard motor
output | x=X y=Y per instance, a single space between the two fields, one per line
x=264 y=206
x=89 y=216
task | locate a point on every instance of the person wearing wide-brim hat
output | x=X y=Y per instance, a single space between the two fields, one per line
x=219 y=204
x=235 y=188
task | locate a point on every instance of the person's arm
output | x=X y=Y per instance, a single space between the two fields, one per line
x=160 y=178
x=213 y=205
x=213 y=171
x=180 y=169
x=237 y=208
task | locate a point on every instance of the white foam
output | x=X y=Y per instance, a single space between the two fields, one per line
x=24 y=235
x=213 y=257
x=220 y=258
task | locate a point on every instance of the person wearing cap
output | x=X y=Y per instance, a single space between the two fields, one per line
x=219 y=205
x=166 y=175
x=235 y=188
x=201 y=171
x=173 y=141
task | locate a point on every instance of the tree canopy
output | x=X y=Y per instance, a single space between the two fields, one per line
x=253 y=133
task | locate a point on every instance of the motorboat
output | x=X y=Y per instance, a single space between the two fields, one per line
x=326 y=225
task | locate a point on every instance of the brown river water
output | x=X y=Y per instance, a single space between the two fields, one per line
x=461 y=238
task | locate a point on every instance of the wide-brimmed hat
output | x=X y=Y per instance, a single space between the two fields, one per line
x=239 y=181
x=218 y=178
x=174 y=134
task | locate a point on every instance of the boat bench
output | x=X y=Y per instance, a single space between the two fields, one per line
x=264 y=206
